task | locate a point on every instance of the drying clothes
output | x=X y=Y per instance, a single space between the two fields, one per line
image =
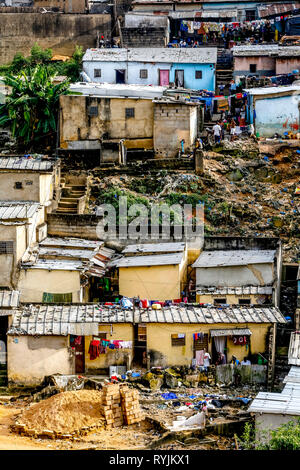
x=239 y=340
x=94 y=349
x=105 y=343
x=125 y=344
x=199 y=336
x=200 y=357
x=111 y=346
x=169 y=396
x=126 y=303
x=78 y=340
x=116 y=343
x=144 y=303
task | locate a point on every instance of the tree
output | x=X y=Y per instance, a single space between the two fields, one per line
x=285 y=437
x=30 y=111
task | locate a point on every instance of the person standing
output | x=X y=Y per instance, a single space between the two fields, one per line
x=232 y=129
x=217 y=129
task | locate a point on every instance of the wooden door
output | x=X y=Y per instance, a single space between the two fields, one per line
x=164 y=77
x=77 y=343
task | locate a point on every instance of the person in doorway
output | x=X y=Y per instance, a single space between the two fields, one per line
x=217 y=129
x=182 y=142
x=206 y=359
x=246 y=362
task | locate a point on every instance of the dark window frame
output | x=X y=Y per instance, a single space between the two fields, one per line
x=198 y=72
x=129 y=113
x=97 y=73
x=175 y=341
x=144 y=72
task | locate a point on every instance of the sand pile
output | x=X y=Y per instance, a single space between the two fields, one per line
x=65 y=412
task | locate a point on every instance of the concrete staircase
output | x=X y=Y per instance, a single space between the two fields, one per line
x=224 y=69
x=71 y=197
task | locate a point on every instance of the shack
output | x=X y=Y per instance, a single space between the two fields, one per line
x=88 y=338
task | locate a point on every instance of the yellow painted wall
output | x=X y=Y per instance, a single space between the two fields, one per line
x=120 y=331
x=159 y=340
x=46 y=188
x=153 y=282
x=34 y=282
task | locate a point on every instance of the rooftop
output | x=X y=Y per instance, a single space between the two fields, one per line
x=12 y=210
x=210 y=259
x=47 y=319
x=9 y=298
x=26 y=164
x=151 y=260
x=118 y=90
x=154 y=248
x=207 y=55
x=266 y=50
x=277 y=90
x=70 y=254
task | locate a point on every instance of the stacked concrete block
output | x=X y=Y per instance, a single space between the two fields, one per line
x=130 y=406
x=111 y=406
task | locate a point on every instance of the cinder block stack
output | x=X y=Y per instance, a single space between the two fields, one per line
x=120 y=405
x=111 y=406
x=130 y=406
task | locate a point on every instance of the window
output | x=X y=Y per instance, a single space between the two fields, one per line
x=220 y=301
x=178 y=339
x=100 y=336
x=129 y=112
x=142 y=333
x=250 y=15
x=143 y=73
x=18 y=185
x=28 y=182
x=198 y=74
x=252 y=68
x=6 y=247
x=97 y=73
x=57 y=298
x=244 y=301
x=93 y=111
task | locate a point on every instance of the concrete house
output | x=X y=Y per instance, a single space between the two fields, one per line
x=265 y=60
x=274 y=110
x=62 y=270
x=185 y=68
x=9 y=300
x=29 y=179
x=21 y=225
x=111 y=119
x=51 y=339
x=153 y=271
x=271 y=410
x=234 y=272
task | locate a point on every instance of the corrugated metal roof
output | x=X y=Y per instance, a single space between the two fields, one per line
x=17 y=210
x=247 y=290
x=9 y=298
x=118 y=90
x=277 y=9
x=71 y=242
x=25 y=164
x=154 y=248
x=151 y=260
x=272 y=90
x=273 y=50
x=210 y=259
x=49 y=319
x=276 y=403
x=231 y=332
x=159 y=55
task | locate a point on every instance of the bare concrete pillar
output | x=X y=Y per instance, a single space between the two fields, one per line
x=199 y=167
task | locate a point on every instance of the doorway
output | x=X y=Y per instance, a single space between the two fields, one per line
x=140 y=345
x=164 y=77
x=77 y=344
x=179 y=78
x=120 y=76
x=3 y=350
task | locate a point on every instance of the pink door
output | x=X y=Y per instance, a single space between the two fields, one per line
x=164 y=77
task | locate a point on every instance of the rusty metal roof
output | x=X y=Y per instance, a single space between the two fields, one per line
x=48 y=319
x=11 y=210
x=9 y=298
x=26 y=164
x=210 y=259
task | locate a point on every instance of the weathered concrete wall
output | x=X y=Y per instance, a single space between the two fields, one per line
x=278 y=114
x=83 y=226
x=231 y=299
x=173 y=122
x=67 y=6
x=236 y=276
x=60 y=32
x=35 y=187
x=76 y=123
x=145 y=37
x=31 y=358
x=254 y=374
x=34 y=282
x=287 y=65
x=266 y=422
x=264 y=65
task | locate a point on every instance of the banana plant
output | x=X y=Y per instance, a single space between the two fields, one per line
x=31 y=108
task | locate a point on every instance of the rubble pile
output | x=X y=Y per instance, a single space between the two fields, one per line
x=246 y=189
x=63 y=415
